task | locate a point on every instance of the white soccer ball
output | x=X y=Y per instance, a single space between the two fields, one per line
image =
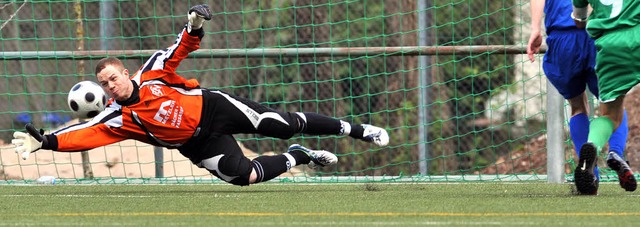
x=86 y=99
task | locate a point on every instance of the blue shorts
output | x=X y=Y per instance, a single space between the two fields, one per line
x=569 y=62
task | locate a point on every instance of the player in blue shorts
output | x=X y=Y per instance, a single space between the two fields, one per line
x=569 y=64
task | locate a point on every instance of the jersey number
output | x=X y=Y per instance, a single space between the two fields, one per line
x=616 y=6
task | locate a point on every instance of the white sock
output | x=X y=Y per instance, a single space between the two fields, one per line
x=291 y=160
x=345 y=128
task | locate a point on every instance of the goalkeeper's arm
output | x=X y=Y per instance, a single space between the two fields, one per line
x=185 y=44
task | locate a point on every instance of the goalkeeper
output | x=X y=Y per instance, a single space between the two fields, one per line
x=157 y=106
x=614 y=26
x=566 y=41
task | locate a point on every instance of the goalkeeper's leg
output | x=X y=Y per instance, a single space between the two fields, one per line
x=285 y=125
x=241 y=115
x=230 y=165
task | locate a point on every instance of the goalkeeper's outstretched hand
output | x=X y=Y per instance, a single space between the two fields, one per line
x=27 y=143
x=197 y=15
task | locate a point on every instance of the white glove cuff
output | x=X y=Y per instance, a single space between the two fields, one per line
x=195 y=21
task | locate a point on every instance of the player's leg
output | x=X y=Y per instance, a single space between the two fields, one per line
x=579 y=120
x=614 y=111
x=228 y=163
x=266 y=168
x=579 y=130
x=600 y=130
x=615 y=158
x=617 y=73
x=602 y=127
x=579 y=124
x=242 y=115
x=571 y=78
x=618 y=140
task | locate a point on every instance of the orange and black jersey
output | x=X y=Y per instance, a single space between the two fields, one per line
x=164 y=109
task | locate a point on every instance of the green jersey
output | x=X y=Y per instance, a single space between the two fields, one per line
x=610 y=15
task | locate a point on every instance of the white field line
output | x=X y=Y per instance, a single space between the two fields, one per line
x=112 y=196
x=335 y=214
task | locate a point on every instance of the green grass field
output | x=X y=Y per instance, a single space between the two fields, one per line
x=372 y=204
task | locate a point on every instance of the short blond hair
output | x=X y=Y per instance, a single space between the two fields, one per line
x=103 y=63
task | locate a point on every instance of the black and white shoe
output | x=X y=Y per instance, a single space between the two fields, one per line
x=586 y=181
x=319 y=158
x=376 y=135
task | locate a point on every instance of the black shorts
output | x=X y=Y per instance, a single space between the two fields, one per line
x=222 y=116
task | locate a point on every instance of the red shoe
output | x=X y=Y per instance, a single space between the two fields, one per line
x=625 y=175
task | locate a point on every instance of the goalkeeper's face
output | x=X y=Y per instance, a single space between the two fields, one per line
x=115 y=82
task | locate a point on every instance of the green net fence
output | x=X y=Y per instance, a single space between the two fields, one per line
x=460 y=102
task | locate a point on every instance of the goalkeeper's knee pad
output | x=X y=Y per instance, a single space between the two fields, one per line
x=234 y=169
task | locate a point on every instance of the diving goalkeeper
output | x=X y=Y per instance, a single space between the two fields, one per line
x=155 y=105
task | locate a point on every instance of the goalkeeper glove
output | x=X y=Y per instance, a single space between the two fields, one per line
x=27 y=143
x=197 y=15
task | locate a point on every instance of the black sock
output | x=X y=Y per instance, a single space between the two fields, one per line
x=269 y=167
x=317 y=124
x=357 y=131
x=300 y=156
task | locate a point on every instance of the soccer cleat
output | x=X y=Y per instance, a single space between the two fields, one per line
x=318 y=157
x=376 y=135
x=584 y=177
x=625 y=175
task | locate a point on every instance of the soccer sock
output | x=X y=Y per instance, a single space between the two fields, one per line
x=357 y=131
x=317 y=124
x=299 y=157
x=269 y=167
x=600 y=131
x=579 y=130
x=618 y=140
x=345 y=128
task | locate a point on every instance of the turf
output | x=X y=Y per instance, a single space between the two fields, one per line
x=373 y=204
